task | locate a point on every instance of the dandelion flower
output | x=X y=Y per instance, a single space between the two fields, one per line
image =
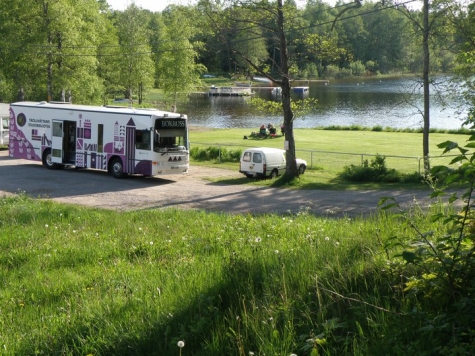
x=181 y=344
x=258 y=239
x=46 y=225
x=327 y=238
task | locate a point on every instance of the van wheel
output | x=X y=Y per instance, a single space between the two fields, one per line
x=273 y=174
x=47 y=162
x=249 y=176
x=302 y=169
x=117 y=168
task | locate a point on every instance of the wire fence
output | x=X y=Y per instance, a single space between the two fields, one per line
x=336 y=161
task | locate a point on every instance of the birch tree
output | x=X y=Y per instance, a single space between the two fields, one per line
x=177 y=68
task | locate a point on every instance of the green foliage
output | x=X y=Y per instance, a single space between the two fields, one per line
x=220 y=154
x=299 y=107
x=133 y=35
x=177 y=60
x=376 y=171
x=440 y=266
x=357 y=68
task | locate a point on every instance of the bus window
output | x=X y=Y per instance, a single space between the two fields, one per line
x=100 y=138
x=142 y=140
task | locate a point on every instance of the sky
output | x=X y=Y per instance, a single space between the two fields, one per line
x=158 y=5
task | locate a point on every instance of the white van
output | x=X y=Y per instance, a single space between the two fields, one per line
x=266 y=162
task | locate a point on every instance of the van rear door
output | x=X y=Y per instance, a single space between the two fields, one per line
x=252 y=163
x=258 y=162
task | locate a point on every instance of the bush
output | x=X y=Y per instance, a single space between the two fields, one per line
x=439 y=265
x=376 y=171
x=215 y=154
x=357 y=68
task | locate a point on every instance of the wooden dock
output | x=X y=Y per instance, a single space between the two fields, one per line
x=230 y=91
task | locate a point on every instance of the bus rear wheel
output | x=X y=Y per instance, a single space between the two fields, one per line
x=117 y=168
x=47 y=160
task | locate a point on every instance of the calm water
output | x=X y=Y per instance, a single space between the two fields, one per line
x=386 y=102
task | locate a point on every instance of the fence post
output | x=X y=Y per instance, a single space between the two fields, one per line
x=219 y=154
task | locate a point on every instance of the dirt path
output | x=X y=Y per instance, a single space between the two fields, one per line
x=192 y=191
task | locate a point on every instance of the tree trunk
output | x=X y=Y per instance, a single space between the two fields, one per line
x=425 y=79
x=291 y=167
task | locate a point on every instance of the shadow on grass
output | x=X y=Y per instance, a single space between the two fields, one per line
x=203 y=324
x=305 y=183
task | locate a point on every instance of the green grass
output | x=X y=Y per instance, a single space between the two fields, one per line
x=81 y=281
x=327 y=152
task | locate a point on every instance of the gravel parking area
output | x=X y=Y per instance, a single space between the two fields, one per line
x=191 y=191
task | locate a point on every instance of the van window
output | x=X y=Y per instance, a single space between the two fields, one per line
x=257 y=158
x=246 y=157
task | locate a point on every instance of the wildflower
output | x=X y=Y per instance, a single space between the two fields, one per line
x=251 y=353
x=151 y=242
x=337 y=243
x=180 y=345
x=276 y=251
x=258 y=239
x=46 y=225
x=327 y=238
x=140 y=229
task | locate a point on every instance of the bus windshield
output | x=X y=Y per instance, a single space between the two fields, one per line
x=170 y=135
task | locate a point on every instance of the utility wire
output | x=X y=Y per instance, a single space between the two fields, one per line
x=47 y=48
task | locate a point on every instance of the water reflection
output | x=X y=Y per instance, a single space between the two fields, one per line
x=395 y=103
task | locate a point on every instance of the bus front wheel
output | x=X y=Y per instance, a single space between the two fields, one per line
x=117 y=168
x=47 y=160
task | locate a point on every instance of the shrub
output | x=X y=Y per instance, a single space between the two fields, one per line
x=215 y=154
x=357 y=68
x=376 y=171
x=439 y=266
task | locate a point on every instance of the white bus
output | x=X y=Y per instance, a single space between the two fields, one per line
x=120 y=140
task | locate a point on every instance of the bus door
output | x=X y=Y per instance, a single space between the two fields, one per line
x=57 y=141
x=63 y=145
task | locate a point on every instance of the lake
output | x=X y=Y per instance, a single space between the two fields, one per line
x=369 y=102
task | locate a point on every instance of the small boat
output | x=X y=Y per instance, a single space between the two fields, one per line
x=300 y=90
x=262 y=80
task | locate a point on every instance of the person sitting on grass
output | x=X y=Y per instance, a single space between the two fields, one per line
x=263 y=131
x=272 y=129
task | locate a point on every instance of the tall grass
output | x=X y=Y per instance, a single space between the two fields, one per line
x=95 y=282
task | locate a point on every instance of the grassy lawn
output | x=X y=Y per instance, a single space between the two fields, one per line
x=82 y=281
x=328 y=151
